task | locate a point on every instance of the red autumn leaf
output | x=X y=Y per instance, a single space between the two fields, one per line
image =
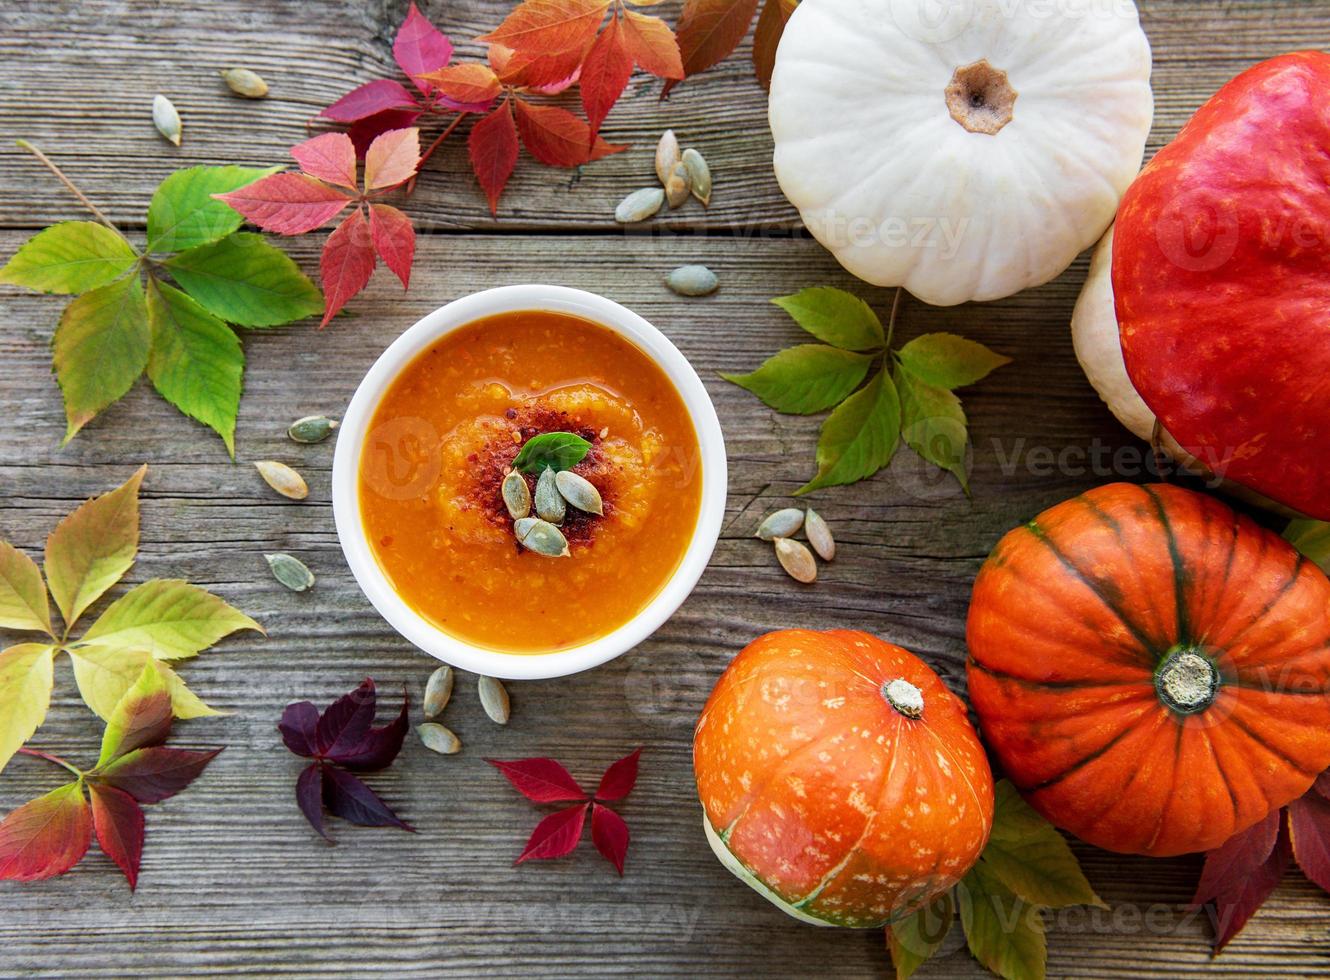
x=287 y=203
x=45 y=837
x=347 y=797
x=556 y=835
x=367 y=130
x=619 y=778
x=540 y=780
x=366 y=100
x=546 y=74
x=420 y=47
x=605 y=73
x=300 y=719
x=1309 y=830
x=392 y=159
x=467 y=84
x=653 y=45
x=709 y=30
x=492 y=147
x=380 y=746
x=119 y=825
x=156 y=773
x=330 y=157
x=556 y=137
x=1322 y=784
x=610 y=835
x=344 y=724
x=549 y=26
x=345 y=266
x=138 y=721
x=1240 y=875
x=309 y=796
x=766 y=36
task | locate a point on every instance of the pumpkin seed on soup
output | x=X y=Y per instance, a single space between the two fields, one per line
x=580 y=492
x=549 y=502
x=516 y=495
x=542 y=537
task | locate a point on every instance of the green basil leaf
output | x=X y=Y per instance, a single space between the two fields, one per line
x=913 y=940
x=1031 y=857
x=1004 y=932
x=100 y=349
x=834 y=317
x=555 y=450
x=806 y=379
x=244 y=280
x=859 y=437
x=948 y=361
x=934 y=425
x=71 y=257
x=1312 y=538
x=183 y=213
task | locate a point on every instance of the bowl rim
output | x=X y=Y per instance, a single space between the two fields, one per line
x=389 y=365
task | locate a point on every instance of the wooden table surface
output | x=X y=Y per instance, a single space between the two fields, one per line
x=233 y=879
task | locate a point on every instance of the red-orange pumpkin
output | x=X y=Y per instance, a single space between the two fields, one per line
x=1151 y=668
x=840 y=778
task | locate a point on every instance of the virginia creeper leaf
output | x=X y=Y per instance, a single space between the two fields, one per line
x=933 y=424
x=556 y=137
x=1239 y=875
x=492 y=147
x=184 y=212
x=1309 y=835
x=653 y=45
x=346 y=264
x=540 y=780
x=766 y=37
x=859 y=437
x=379 y=746
x=47 y=836
x=119 y=825
x=26 y=678
x=556 y=835
x=709 y=30
x=835 y=317
x=420 y=47
x=605 y=73
x=299 y=726
x=196 y=362
x=392 y=158
x=620 y=778
x=287 y=203
x=1031 y=857
x=948 y=361
x=912 y=941
x=104 y=674
x=168 y=618
x=23 y=603
x=394 y=239
x=156 y=773
x=610 y=835
x=244 y=280
x=368 y=99
x=142 y=717
x=467 y=84
x=101 y=347
x=330 y=157
x=71 y=257
x=545 y=74
x=365 y=131
x=347 y=797
x=309 y=796
x=548 y=26
x=344 y=724
x=93 y=547
x=1312 y=538
x=805 y=379
x=1004 y=932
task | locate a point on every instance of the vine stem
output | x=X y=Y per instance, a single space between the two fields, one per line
x=36 y=754
x=411 y=184
x=891 y=320
x=50 y=165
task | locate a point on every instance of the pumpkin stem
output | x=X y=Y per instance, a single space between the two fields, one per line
x=981 y=98
x=1187 y=681
x=904 y=697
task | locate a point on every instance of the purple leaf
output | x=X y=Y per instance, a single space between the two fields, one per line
x=380 y=746
x=420 y=47
x=1322 y=784
x=610 y=835
x=344 y=723
x=349 y=798
x=156 y=773
x=299 y=721
x=368 y=99
x=1240 y=875
x=367 y=130
x=619 y=779
x=309 y=796
x=1309 y=829
x=556 y=835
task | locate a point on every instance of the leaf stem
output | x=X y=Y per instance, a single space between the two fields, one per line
x=50 y=165
x=429 y=152
x=36 y=754
x=891 y=321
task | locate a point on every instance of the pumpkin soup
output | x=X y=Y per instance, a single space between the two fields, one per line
x=523 y=408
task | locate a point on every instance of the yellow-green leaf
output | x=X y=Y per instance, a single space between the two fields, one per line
x=859 y=437
x=805 y=379
x=71 y=257
x=948 y=361
x=834 y=317
x=933 y=424
x=1004 y=932
x=104 y=674
x=26 y=676
x=93 y=547
x=141 y=717
x=169 y=619
x=196 y=363
x=244 y=280
x=914 y=939
x=1312 y=538
x=23 y=604
x=183 y=212
x=101 y=347
x=1031 y=857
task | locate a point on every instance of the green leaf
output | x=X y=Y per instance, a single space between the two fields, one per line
x=1004 y=932
x=183 y=213
x=196 y=363
x=859 y=437
x=169 y=619
x=105 y=673
x=101 y=347
x=835 y=317
x=948 y=361
x=934 y=426
x=93 y=547
x=913 y=940
x=141 y=717
x=244 y=280
x=23 y=604
x=1312 y=538
x=71 y=257
x=555 y=450
x=26 y=676
x=806 y=379
x=1031 y=857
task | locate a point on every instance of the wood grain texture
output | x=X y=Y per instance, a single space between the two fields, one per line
x=233 y=880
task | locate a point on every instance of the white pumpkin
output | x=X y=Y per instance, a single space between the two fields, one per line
x=965 y=150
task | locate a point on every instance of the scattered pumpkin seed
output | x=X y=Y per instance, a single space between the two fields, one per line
x=580 y=492
x=494 y=699
x=667 y=155
x=311 y=429
x=244 y=82
x=796 y=559
x=283 y=479
x=819 y=535
x=639 y=205
x=516 y=495
x=290 y=571
x=438 y=739
x=699 y=176
x=676 y=187
x=549 y=502
x=692 y=280
x=438 y=690
x=542 y=537
x=782 y=524
x=166 y=119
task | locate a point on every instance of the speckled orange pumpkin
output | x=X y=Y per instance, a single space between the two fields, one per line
x=840 y=778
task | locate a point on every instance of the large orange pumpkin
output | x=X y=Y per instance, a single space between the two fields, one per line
x=840 y=778
x=1151 y=668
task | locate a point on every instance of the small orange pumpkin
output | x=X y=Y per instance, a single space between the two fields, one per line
x=1151 y=668
x=840 y=778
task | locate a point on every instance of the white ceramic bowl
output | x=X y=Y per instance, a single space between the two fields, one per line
x=351 y=441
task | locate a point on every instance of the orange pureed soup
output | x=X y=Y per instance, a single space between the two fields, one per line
x=447 y=431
